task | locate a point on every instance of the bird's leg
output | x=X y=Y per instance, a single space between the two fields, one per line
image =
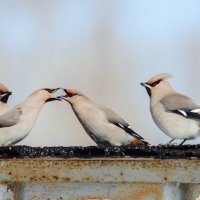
x=170 y=141
x=182 y=142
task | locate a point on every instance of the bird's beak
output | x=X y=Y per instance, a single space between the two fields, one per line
x=5 y=97
x=52 y=90
x=9 y=93
x=148 y=88
x=65 y=90
x=145 y=85
x=58 y=98
x=53 y=99
x=64 y=97
x=55 y=89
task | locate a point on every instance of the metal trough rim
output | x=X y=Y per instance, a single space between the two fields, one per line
x=111 y=170
x=132 y=151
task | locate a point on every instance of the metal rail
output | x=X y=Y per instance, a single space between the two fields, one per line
x=117 y=178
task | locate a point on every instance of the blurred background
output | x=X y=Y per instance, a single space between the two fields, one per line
x=102 y=48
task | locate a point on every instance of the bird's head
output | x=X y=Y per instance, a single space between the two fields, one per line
x=44 y=95
x=157 y=83
x=72 y=96
x=4 y=93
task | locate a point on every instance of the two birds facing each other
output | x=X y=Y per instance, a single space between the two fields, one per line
x=103 y=125
x=175 y=114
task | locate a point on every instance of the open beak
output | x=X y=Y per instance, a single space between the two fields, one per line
x=64 y=97
x=53 y=99
x=53 y=91
x=147 y=87
x=65 y=90
x=56 y=89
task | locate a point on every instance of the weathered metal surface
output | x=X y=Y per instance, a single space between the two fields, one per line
x=191 y=191
x=80 y=191
x=6 y=191
x=94 y=173
x=100 y=170
x=172 y=191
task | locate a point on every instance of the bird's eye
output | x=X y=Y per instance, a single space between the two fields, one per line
x=72 y=94
x=1 y=93
x=155 y=83
x=48 y=90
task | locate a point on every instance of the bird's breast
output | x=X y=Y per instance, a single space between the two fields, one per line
x=174 y=125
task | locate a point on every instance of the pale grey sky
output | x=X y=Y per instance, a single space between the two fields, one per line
x=103 y=48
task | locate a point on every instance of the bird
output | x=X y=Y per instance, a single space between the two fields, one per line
x=16 y=123
x=104 y=126
x=177 y=115
x=4 y=95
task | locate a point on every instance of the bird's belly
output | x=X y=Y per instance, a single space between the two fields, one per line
x=100 y=130
x=14 y=134
x=176 y=126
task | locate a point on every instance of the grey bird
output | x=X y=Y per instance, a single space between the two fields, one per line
x=16 y=123
x=177 y=115
x=4 y=95
x=103 y=125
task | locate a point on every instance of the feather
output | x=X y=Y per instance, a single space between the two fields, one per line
x=178 y=101
x=115 y=119
x=10 y=118
x=190 y=114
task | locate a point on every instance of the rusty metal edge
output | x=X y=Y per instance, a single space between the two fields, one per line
x=100 y=170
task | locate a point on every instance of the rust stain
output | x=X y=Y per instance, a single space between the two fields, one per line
x=139 y=192
x=191 y=191
x=91 y=198
x=11 y=187
x=165 y=178
x=67 y=179
x=55 y=177
x=38 y=198
x=64 y=170
x=87 y=178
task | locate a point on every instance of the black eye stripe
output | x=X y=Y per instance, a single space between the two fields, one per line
x=155 y=83
x=72 y=94
x=3 y=93
x=48 y=90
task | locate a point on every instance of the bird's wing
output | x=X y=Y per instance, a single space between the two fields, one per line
x=10 y=118
x=181 y=105
x=115 y=119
